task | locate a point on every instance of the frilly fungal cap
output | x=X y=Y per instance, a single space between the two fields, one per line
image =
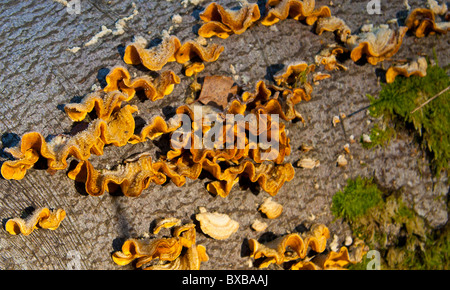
x=133 y=176
x=333 y=24
x=154 y=58
x=167 y=251
x=296 y=9
x=121 y=88
x=170 y=50
x=417 y=67
x=223 y=22
x=41 y=218
x=422 y=22
x=165 y=223
x=270 y=208
x=294 y=247
x=117 y=130
x=219 y=226
x=377 y=45
x=327 y=58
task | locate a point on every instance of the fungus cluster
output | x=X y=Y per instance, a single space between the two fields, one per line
x=294 y=249
x=179 y=252
x=43 y=218
x=115 y=125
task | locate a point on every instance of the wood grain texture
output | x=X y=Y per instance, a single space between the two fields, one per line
x=39 y=75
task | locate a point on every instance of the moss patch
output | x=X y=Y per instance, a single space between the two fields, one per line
x=357 y=197
x=379 y=136
x=387 y=224
x=396 y=101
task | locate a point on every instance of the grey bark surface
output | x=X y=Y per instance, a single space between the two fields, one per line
x=39 y=75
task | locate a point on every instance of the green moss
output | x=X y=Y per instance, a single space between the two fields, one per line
x=357 y=197
x=379 y=136
x=396 y=101
x=388 y=225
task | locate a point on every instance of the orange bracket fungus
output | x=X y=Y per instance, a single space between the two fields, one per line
x=103 y=103
x=166 y=223
x=41 y=218
x=134 y=175
x=334 y=260
x=294 y=81
x=218 y=226
x=117 y=130
x=259 y=226
x=308 y=163
x=422 y=22
x=296 y=9
x=268 y=175
x=223 y=22
x=294 y=247
x=271 y=208
x=327 y=57
x=119 y=80
x=166 y=252
x=378 y=44
x=154 y=58
x=333 y=24
x=193 y=68
x=170 y=50
x=417 y=67
x=121 y=88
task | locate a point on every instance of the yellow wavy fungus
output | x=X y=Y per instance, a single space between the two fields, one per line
x=377 y=45
x=193 y=68
x=294 y=82
x=417 y=67
x=422 y=22
x=166 y=251
x=121 y=88
x=119 y=79
x=293 y=71
x=193 y=49
x=227 y=165
x=276 y=132
x=191 y=260
x=103 y=103
x=218 y=226
x=276 y=251
x=296 y=9
x=134 y=175
x=271 y=208
x=294 y=247
x=116 y=131
x=158 y=126
x=170 y=50
x=334 y=260
x=41 y=218
x=268 y=175
x=154 y=58
x=333 y=24
x=308 y=163
x=166 y=223
x=327 y=58
x=223 y=22
x=275 y=99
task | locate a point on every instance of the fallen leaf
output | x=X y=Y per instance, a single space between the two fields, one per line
x=216 y=89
